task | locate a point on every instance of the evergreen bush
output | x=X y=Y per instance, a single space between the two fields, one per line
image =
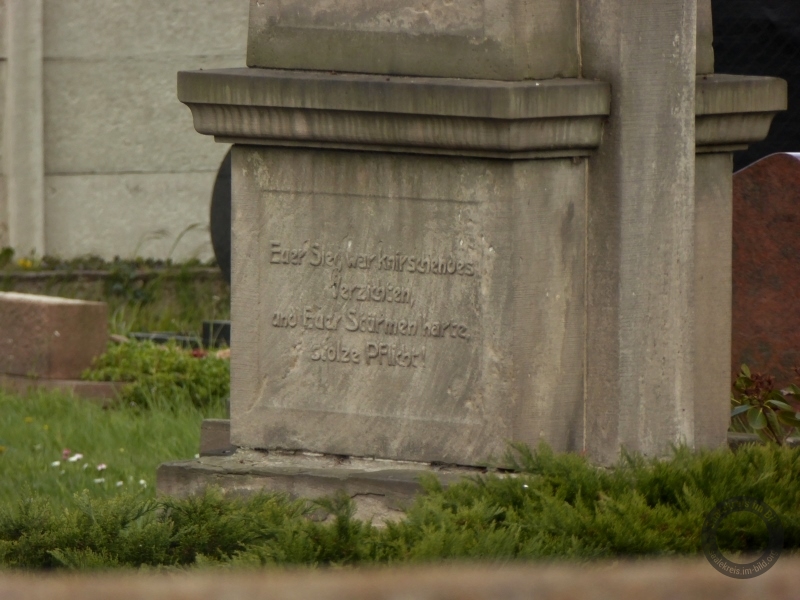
x=553 y=507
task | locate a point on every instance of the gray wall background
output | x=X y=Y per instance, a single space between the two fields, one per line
x=108 y=162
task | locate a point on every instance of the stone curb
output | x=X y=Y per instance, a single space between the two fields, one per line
x=647 y=580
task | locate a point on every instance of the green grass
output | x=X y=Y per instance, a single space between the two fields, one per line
x=560 y=507
x=168 y=393
x=131 y=442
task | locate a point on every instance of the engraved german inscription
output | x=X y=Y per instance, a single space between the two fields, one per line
x=315 y=255
x=286 y=256
x=394 y=355
x=357 y=322
x=374 y=292
x=347 y=299
x=372 y=354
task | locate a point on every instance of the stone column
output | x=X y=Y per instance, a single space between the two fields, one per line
x=732 y=112
x=24 y=127
x=640 y=246
x=705 y=38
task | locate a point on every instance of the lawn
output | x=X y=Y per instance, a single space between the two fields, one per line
x=78 y=493
x=54 y=445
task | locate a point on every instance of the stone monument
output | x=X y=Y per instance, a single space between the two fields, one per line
x=459 y=225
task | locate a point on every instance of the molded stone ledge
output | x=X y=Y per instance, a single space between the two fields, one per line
x=561 y=117
x=736 y=110
x=380 y=489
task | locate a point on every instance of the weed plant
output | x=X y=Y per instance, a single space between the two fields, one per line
x=757 y=407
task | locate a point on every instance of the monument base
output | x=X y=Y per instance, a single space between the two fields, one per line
x=104 y=393
x=380 y=489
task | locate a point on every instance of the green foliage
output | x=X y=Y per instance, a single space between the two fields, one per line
x=757 y=406
x=91 y=534
x=93 y=263
x=125 y=283
x=6 y=256
x=163 y=375
x=142 y=294
x=553 y=507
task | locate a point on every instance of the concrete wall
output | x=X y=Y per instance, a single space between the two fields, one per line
x=124 y=171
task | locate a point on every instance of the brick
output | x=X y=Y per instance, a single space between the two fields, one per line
x=48 y=337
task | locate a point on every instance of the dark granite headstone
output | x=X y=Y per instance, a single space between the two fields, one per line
x=766 y=267
x=221 y=217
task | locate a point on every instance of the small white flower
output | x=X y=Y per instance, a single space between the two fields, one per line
x=525 y=485
x=119 y=484
x=143 y=483
x=85 y=466
x=100 y=480
x=55 y=463
x=197 y=456
x=75 y=457
x=101 y=467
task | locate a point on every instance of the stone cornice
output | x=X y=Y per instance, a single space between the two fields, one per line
x=736 y=110
x=466 y=117
x=559 y=117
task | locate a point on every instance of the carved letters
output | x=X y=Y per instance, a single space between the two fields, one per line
x=317 y=256
x=350 y=318
x=375 y=353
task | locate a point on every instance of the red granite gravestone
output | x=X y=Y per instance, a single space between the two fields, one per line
x=46 y=342
x=766 y=267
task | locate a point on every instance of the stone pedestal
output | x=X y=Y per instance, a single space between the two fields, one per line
x=426 y=269
x=422 y=293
